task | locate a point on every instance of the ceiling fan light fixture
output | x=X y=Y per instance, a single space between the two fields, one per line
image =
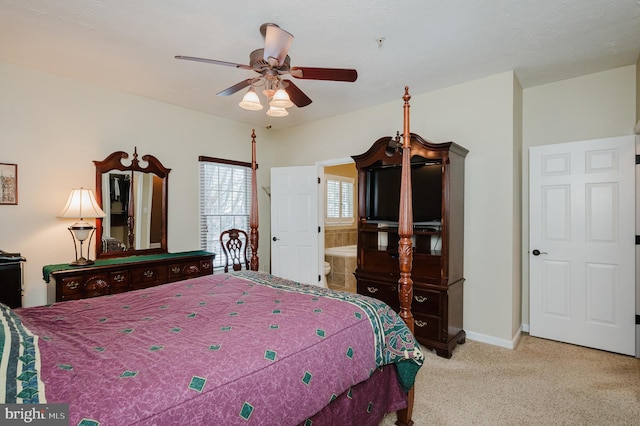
x=277 y=112
x=277 y=43
x=251 y=101
x=271 y=62
x=281 y=99
x=269 y=93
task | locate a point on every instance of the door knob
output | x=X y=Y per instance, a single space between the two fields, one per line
x=537 y=252
x=275 y=238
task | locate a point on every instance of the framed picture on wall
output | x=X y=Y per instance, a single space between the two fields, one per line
x=8 y=183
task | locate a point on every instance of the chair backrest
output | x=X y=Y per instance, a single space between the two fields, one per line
x=234 y=249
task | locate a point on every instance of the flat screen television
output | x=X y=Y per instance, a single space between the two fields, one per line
x=383 y=193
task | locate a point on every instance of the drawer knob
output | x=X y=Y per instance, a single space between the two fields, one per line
x=372 y=289
x=421 y=324
x=148 y=273
x=420 y=299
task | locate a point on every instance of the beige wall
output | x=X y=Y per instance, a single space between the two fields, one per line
x=516 y=270
x=589 y=107
x=479 y=116
x=497 y=121
x=638 y=90
x=53 y=128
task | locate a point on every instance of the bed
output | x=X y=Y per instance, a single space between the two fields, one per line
x=244 y=347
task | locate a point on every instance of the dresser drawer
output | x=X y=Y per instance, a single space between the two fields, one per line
x=148 y=276
x=206 y=267
x=80 y=286
x=96 y=285
x=120 y=281
x=71 y=287
x=186 y=270
x=427 y=326
x=386 y=292
x=426 y=302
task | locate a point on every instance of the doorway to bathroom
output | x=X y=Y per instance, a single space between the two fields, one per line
x=339 y=204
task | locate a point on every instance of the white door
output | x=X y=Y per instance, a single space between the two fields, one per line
x=294 y=224
x=582 y=243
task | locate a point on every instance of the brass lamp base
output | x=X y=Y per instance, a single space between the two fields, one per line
x=81 y=262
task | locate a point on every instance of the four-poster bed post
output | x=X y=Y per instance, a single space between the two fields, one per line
x=405 y=232
x=405 y=249
x=405 y=222
x=253 y=217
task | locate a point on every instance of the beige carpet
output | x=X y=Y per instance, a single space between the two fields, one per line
x=540 y=382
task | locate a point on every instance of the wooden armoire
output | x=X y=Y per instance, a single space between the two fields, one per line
x=438 y=243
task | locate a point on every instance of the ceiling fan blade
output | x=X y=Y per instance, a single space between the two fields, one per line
x=213 y=61
x=334 y=74
x=233 y=89
x=296 y=95
x=276 y=42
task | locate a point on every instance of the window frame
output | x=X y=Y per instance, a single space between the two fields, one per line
x=210 y=241
x=341 y=220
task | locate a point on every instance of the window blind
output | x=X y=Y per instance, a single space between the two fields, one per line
x=339 y=200
x=225 y=202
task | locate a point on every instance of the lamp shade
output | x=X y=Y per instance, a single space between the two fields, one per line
x=277 y=112
x=281 y=99
x=251 y=101
x=81 y=204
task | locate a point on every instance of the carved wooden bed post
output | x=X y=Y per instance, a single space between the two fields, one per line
x=253 y=217
x=405 y=250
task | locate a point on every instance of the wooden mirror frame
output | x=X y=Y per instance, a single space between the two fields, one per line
x=114 y=162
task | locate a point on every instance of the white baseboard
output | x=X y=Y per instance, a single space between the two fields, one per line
x=495 y=341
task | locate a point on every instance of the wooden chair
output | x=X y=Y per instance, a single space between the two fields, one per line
x=234 y=249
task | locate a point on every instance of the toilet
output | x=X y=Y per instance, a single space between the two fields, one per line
x=327 y=269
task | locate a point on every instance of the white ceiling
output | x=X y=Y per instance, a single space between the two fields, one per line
x=129 y=45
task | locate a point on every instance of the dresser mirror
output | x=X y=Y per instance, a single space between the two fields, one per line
x=134 y=198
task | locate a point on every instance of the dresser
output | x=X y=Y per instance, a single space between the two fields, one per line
x=118 y=275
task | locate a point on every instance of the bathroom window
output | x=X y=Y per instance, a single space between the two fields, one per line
x=338 y=200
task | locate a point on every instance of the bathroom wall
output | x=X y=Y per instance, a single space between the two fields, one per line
x=340 y=237
x=336 y=236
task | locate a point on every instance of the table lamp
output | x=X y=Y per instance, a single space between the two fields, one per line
x=81 y=205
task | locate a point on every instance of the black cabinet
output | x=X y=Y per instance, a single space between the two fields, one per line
x=11 y=279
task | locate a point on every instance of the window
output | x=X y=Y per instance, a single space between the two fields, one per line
x=225 y=202
x=339 y=200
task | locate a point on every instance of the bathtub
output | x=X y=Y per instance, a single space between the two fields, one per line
x=343 y=264
x=342 y=251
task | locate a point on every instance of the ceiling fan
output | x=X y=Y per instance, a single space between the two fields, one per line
x=272 y=62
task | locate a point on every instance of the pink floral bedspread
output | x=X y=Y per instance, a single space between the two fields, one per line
x=243 y=348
